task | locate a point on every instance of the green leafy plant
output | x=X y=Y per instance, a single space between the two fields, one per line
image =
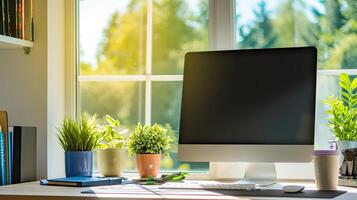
x=343 y=111
x=178 y=176
x=173 y=138
x=149 y=140
x=175 y=177
x=81 y=135
x=112 y=138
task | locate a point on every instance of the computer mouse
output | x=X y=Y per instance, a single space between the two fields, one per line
x=293 y=188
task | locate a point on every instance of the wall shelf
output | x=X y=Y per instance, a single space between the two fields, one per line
x=7 y=42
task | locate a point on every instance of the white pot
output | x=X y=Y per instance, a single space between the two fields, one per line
x=342 y=145
x=111 y=161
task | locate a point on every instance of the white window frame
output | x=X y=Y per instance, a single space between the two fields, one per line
x=148 y=77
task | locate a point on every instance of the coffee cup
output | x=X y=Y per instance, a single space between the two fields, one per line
x=326 y=169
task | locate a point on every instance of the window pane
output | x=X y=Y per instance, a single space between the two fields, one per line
x=166 y=104
x=178 y=26
x=327 y=85
x=124 y=100
x=328 y=25
x=112 y=37
x=264 y=24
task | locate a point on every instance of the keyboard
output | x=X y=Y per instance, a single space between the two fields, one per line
x=210 y=186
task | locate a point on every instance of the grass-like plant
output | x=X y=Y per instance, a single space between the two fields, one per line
x=81 y=135
x=112 y=138
x=149 y=140
x=343 y=111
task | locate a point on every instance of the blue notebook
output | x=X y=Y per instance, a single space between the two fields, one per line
x=83 y=181
x=10 y=155
x=2 y=160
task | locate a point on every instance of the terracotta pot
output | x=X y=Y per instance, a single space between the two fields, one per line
x=148 y=164
x=111 y=161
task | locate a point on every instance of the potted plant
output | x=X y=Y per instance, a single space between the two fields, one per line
x=78 y=139
x=148 y=143
x=343 y=113
x=111 y=153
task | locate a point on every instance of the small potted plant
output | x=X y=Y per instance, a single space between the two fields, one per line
x=148 y=143
x=343 y=113
x=111 y=152
x=78 y=139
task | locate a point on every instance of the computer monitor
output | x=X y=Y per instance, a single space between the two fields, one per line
x=253 y=105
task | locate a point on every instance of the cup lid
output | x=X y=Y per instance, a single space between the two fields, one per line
x=325 y=152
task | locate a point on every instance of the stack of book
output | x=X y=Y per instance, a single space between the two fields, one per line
x=17 y=152
x=16 y=19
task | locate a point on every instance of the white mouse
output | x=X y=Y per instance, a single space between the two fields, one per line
x=293 y=188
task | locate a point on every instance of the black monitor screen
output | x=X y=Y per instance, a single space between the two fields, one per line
x=257 y=96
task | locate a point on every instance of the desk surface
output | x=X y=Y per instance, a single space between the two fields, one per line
x=34 y=191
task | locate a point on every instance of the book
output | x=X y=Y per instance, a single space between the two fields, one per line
x=22 y=32
x=20 y=19
x=2 y=23
x=10 y=158
x=4 y=126
x=2 y=159
x=4 y=16
x=23 y=154
x=7 y=17
x=81 y=181
x=13 y=17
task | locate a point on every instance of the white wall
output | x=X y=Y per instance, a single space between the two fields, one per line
x=23 y=85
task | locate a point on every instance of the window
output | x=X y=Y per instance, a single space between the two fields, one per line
x=131 y=52
x=131 y=60
x=329 y=25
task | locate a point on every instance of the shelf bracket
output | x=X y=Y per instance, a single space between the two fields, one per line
x=27 y=50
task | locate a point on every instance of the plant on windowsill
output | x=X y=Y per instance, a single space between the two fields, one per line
x=148 y=143
x=111 y=152
x=79 y=138
x=343 y=113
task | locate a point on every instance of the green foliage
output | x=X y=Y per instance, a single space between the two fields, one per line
x=173 y=137
x=81 y=135
x=177 y=29
x=337 y=39
x=112 y=138
x=334 y=14
x=261 y=34
x=175 y=177
x=343 y=111
x=179 y=176
x=332 y=28
x=149 y=140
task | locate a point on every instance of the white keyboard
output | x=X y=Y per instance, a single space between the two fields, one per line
x=212 y=186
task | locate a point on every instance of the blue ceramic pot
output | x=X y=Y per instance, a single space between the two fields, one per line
x=79 y=163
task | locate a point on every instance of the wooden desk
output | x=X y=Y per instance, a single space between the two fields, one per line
x=34 y=191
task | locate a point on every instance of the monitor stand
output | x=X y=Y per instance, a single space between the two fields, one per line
x=262 y=174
